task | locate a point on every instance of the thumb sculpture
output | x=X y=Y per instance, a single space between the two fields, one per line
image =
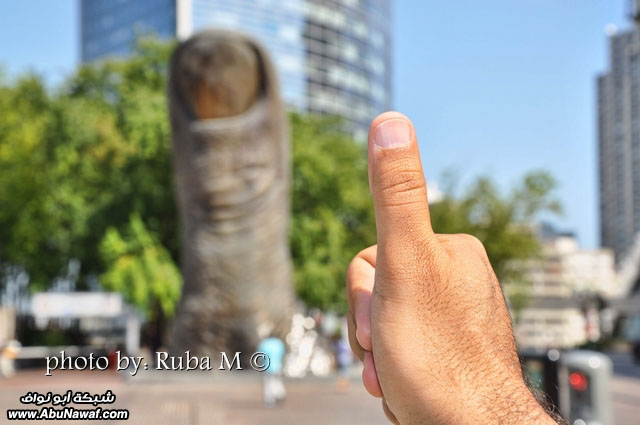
x=232 y=176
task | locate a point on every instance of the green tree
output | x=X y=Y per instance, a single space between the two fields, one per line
x=26 y=210
x=78 y=162
x=139 y=267
x=332 y=217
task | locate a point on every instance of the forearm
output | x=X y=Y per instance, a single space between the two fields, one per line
x=494 y=401
x=516 y=406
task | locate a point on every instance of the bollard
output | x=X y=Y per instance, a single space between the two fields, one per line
x=586 y=383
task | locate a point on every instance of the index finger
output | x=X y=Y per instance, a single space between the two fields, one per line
x=360 y=281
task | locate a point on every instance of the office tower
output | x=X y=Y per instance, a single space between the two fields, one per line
x=333 y=56
x=619 y=144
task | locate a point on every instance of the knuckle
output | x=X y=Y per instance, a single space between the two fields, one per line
x=350 y=271
x=397 y=288
x=473 y=240
x=474 y=243
x=402 y=187
x=479 y=246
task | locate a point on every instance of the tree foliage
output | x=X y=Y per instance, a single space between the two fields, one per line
x=332 y=216
x=504 y=222
x=85 y=175
x=140 y=268
x=76 y=164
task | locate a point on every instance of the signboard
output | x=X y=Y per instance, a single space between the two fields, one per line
x=50 y=305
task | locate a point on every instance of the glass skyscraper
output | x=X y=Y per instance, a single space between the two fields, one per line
x=619 y=143
x=109 y=27
x=333 y=56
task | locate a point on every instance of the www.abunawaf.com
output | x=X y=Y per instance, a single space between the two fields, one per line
x=163 y=361
x=51 y=413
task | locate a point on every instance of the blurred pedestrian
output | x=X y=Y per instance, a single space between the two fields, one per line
x=344 y=360
x=273 y=390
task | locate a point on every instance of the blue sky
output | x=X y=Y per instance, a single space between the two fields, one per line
x=493 y=87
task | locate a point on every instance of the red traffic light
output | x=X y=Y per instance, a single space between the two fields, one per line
x=578 y=381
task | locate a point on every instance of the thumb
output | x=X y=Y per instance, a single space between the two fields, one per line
x=397 y=181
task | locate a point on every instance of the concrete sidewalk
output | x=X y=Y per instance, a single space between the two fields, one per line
x=194 y=398
x=223 y=398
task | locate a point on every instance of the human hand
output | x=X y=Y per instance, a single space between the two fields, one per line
x=427 y=314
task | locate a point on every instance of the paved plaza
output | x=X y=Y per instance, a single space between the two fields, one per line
x=194 y=399
x=235 y=398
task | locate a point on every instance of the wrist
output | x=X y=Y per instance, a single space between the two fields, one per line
x=512 y=403
x=537 y=415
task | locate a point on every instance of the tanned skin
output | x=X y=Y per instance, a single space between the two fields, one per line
x=427 y=314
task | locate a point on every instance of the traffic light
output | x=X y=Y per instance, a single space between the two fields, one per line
x=587 y=387
x=579 y=381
